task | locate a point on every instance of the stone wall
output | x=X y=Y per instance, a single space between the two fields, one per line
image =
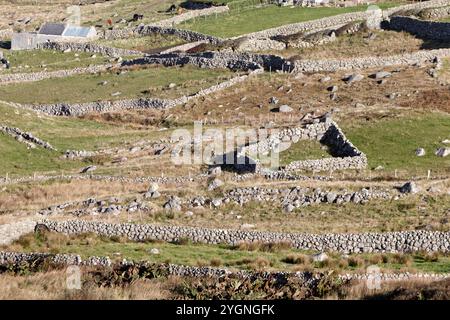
x=435 y=13
x=88 y=47
x=145 y=30
x=18 y=258
x=346 y=155
x=10 y=259
x=415 y=6
x=332 y=65
x=404 y=241
x=422 y=29
x=209 y=60
x=37 y=76
x=78 y=109
x=25 y=137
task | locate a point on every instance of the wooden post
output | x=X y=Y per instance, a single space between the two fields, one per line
x=429 y=174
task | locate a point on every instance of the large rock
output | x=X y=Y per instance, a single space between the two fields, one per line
x=285 y=108
x=320 y=257
x=354 y=78
x=88 y=169
x=442 y=152
x=420 y=152
x=173 y=204
x=152 y=191
x=381 y=75
x=409 y=187
x=214 y=184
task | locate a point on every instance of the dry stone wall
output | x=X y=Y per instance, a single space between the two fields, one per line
x=346 y=155
x=416 y=6
x=146 y=30
x=404 y=241
x=37 y=76
x=332 y=65
x=88 y=47
x=9 y=259
x=18 y=258
x=78 y=109
x=25 y=137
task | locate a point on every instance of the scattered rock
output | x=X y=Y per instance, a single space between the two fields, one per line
x=173 y=204
x=273 y=100
x=381 y=75
x=442 y=152
x=353 y=78
x=285 y=108
x=333 y=88
x=420 y=152
x=320 y=257
x=154 y=251
x=88 y=169
x=409 y=187
x=214 y=184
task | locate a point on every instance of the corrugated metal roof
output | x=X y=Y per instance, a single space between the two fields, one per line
x=75 y=31
x=55 y=29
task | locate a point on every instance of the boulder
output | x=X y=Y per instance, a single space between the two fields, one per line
x=420 y=152
x=381 y=75
x=285 y=108
x=273 y=100
x=409 y=187
x=320 y=257
x=330 y=197
x=353 y=78
x=442 y=152
x=173 y=204
x=214 y=184
x=88 y=169
x=333 y=88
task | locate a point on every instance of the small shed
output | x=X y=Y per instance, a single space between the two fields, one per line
x=52 y=32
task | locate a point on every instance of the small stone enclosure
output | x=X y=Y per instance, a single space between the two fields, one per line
x=344 y=154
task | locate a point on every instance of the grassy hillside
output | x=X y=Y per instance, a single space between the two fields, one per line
x=147 y=82
x=239 y=21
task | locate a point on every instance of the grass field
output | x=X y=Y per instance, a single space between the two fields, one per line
x=147 y=82
x=148 y=44
x=241 y=21
x=391 y=143
x=245 y=256
x=62 y=133
x=47 y=60
x=303 y=150
x=385 y=43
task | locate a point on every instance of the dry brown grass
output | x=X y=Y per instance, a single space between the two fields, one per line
x=398 y=290
x=432 y=99
x=386 y=43
x=52 y=285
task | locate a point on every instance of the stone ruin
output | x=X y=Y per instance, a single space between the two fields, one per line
x=344 y=154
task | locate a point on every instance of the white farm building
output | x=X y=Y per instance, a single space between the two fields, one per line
x=52 y=32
